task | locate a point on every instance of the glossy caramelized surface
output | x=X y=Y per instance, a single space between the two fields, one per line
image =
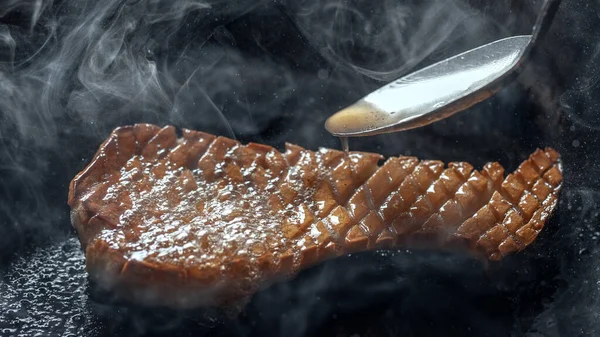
x=162 y=218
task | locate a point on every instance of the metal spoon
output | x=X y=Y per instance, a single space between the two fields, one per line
x=442 y=89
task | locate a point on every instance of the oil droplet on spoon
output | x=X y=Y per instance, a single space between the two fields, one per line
x=345 y=145
x=359 y=117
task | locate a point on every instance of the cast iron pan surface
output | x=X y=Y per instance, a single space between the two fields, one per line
x=270 y=72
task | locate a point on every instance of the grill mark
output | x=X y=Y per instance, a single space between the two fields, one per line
x=499 y=220
x=298 y=252
x=364 y=228
x=317 y=182
x=541 y=174
x=210 y=145
x=515 y=206
x=553 y=190
x=137 y=143
x=335 y=237
x=291 y=148
x=378 y=214
x=486 y=200
x=393 y=189
x=250 y=168
x=461 y=210
x=113 y=137
x=355 y=174
x=345 y=159
x=422 y=194
x=231 y=154
x=280 y=178
x=518 y=210
x=546 y=202
x=162 y=151
x=326 y=171
x=477 y=194
x=369 y=197
x=449 y=195
x=535 y=182
x=407 y=176
x=232 y=158
x=370 y=203
x=520 y=179
x=117 y=151
x=387 y=173
x=235 y=154
x=516 y=239
x=525 y=223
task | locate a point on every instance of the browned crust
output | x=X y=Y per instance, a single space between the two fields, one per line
x=456 y=206
x=152 y=284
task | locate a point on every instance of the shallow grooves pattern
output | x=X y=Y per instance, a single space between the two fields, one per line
x=324 y=204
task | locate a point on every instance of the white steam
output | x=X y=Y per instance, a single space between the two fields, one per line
x=383 y=41
x=71 y=71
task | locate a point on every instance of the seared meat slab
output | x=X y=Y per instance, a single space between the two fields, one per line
x=205 y=220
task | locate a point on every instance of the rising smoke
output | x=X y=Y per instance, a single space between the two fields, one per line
x=70 y=71
x=375 y=41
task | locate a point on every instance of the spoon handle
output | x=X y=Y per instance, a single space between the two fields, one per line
x=541 y=27
x=444 y=88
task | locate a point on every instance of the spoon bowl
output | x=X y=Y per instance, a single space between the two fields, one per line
x=431 y=93
x=441 y=89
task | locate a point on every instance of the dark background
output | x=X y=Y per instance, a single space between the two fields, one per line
x=270 y=72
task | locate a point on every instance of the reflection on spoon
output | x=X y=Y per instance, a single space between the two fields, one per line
x=432 y=93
